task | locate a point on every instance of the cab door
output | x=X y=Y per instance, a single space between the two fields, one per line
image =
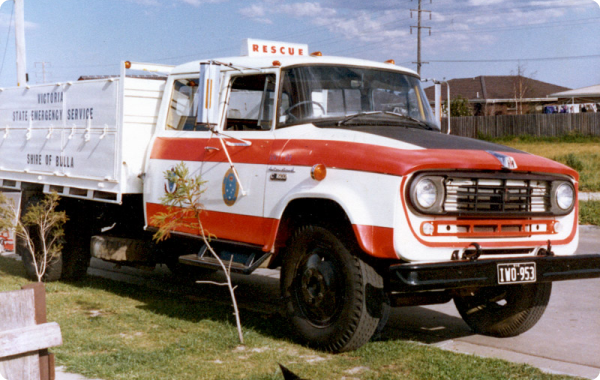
x=178 y=139
x=236 y=160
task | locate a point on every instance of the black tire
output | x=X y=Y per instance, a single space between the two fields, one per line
x=76 y=254
x=385 y=317
x=53 y=268
x=334 y=300
x=73 y=260
x=504 y=311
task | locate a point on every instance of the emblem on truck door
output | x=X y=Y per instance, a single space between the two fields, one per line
x=170 y=184
x=231 y=188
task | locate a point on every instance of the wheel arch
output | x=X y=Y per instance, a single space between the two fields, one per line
x=324 y=212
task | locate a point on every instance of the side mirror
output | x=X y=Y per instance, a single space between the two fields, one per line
x=208 y=94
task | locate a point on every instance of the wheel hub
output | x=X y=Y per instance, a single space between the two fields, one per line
x=318 y=288
x=314 y=287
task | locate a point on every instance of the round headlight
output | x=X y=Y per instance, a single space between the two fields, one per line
x=426 y=193
x=564 y=196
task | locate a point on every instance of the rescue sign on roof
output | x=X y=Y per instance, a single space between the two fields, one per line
x=261 y=48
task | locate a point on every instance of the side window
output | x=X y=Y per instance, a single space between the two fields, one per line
x=251 y=102
x=182 y=110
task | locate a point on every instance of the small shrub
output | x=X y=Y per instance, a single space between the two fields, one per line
x=571 y=161
x=589 y=213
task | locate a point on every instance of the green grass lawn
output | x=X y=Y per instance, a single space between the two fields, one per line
x=114 y=330
x=589 y=212
x=580 y=153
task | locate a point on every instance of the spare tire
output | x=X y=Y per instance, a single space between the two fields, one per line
x=504 y=311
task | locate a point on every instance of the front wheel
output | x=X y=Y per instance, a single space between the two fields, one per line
x=504 y=311
x=333 y=298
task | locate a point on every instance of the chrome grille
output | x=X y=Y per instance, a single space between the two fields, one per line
x=490 y=195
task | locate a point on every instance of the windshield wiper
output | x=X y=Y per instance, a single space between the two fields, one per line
x=350 y=117
x=420 y=122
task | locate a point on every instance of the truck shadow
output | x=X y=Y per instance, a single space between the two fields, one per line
x=259 y=293
x=425 y=324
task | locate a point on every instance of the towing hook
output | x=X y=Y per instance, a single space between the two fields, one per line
x=546 y=251
x=472 y=256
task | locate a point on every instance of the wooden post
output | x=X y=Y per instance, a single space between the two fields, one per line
x=25 y=336
x=46 y=359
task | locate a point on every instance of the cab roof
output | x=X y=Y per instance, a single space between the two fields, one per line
x=267 y=62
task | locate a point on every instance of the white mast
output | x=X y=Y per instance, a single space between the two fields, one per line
x=20 y=42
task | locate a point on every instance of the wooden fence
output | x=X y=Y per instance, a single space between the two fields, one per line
x=25 y=336
x=552 y=125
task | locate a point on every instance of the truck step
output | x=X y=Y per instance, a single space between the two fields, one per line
x=240 y=260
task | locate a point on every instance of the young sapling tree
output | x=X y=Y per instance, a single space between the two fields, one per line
x=184 y=211
x=39 y=230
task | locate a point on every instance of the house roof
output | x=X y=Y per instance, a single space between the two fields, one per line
x=484 y=88
x=584 y=92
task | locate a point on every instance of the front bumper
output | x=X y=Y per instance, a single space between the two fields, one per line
x=483 y=272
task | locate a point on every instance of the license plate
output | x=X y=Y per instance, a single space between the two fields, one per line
x=516 y=273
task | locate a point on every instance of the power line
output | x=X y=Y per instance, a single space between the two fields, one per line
x=374 y=45
x=501 y=10
x=575 y=22
x=7 y=38
x=514 y=59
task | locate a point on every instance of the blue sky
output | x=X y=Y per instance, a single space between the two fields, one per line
x=555 y=41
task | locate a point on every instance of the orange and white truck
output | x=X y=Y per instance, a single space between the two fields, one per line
x=332 y=169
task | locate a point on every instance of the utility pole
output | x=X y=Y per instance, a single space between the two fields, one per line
x=419 y=10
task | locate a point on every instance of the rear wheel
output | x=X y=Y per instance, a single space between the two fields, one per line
x=76 y=253
x=53 y=266
x=333 y=298
x=504 y=311
x=73 y=260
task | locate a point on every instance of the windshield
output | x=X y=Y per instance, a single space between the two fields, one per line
x=314 y=93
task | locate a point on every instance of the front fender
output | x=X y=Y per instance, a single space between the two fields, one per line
x=369 y=201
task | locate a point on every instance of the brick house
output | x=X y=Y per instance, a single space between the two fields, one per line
x=501 y=95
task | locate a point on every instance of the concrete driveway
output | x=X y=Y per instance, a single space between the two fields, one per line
x=566 y=340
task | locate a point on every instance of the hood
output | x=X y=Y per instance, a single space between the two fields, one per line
x=434 y=151
x=432 y=139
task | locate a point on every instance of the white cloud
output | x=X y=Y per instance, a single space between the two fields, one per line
x=478 y=3
x=151 y=3
x=197 y=3
x=306 y=10
x=257 y=12
x=263 y=12
x=376 y=25
x=158 y=3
